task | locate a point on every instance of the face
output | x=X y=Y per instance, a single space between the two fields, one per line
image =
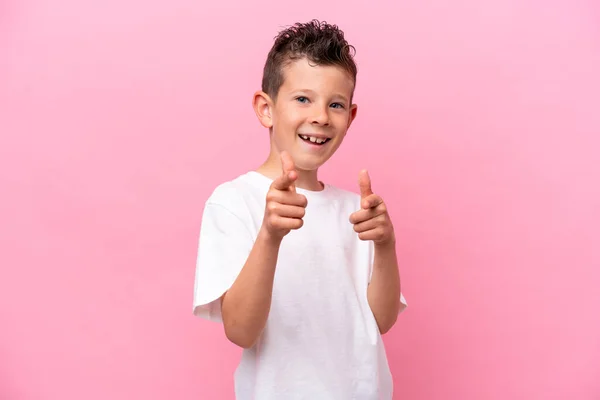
x=311 y=114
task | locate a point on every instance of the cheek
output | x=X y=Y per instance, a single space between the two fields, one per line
x=341 y=122
x=287 y=116
x=294 y=115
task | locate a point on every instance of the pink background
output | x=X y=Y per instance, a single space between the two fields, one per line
x=479 y=122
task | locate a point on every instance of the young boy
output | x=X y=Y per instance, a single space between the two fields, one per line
x=303 y=275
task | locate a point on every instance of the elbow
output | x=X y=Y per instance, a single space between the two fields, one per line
x=388 y=321
x=241 y=328
x=386 y=326
x=236 y=332
x=243 y=341
x=239 y=336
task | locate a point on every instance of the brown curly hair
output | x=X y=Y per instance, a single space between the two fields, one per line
x=319 y=42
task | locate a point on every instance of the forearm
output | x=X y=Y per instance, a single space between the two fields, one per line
x=246 y=305
x=383 y=292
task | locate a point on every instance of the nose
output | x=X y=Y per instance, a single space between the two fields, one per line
x=320 y=116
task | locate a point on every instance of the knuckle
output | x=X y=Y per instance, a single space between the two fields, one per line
x=303 y=201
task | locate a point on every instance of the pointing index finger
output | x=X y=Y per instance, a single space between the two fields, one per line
x=364 y=182
x=287 y=163
x=289 y=174
x=285 y=181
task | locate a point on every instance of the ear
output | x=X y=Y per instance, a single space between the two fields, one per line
x=353 y=111
x=263 y=105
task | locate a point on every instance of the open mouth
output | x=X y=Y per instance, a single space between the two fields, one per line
x=314 y=140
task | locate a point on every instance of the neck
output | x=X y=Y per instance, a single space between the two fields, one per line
x=272 y=168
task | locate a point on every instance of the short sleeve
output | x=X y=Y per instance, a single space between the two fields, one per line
x=403 y=303
x=224 y=245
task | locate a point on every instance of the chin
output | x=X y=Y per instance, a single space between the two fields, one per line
x=309 y=164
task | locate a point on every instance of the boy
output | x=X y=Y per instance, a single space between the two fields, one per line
x=303 y=275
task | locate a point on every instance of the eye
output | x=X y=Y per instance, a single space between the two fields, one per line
x=302 y=99
x=337 y=105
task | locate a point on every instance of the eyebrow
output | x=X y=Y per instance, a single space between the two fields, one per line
x=311 y=92
x=342 y=97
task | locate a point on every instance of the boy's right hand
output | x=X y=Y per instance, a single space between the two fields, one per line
x=285 y=208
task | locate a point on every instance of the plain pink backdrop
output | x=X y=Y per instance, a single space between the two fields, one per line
x=478 y=120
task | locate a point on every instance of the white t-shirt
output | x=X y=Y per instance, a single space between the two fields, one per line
x=321 y=340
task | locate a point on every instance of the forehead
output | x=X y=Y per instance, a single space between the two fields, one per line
x=302 y=74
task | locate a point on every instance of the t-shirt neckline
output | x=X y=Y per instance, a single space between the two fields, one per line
x=261 y=179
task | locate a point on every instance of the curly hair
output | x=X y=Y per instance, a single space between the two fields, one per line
x=319 y=42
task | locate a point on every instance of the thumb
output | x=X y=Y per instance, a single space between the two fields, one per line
x=364 y=182
x=287 y=164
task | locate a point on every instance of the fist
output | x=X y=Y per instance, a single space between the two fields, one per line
x=372 y=221
x=285 y=208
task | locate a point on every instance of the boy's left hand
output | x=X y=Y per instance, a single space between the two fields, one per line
x=372 y=221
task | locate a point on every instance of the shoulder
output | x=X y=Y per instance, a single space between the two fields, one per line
x=234 y=195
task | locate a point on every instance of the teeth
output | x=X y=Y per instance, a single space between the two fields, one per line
x=314 y=139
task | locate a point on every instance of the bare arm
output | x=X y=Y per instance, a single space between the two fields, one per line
x=372 y=222
x=246 y=305
x=383 y=292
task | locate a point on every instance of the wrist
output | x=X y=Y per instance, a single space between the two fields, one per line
x=386 y=246
x=268 y=238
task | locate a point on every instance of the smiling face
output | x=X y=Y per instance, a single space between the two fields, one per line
x=311 y=114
